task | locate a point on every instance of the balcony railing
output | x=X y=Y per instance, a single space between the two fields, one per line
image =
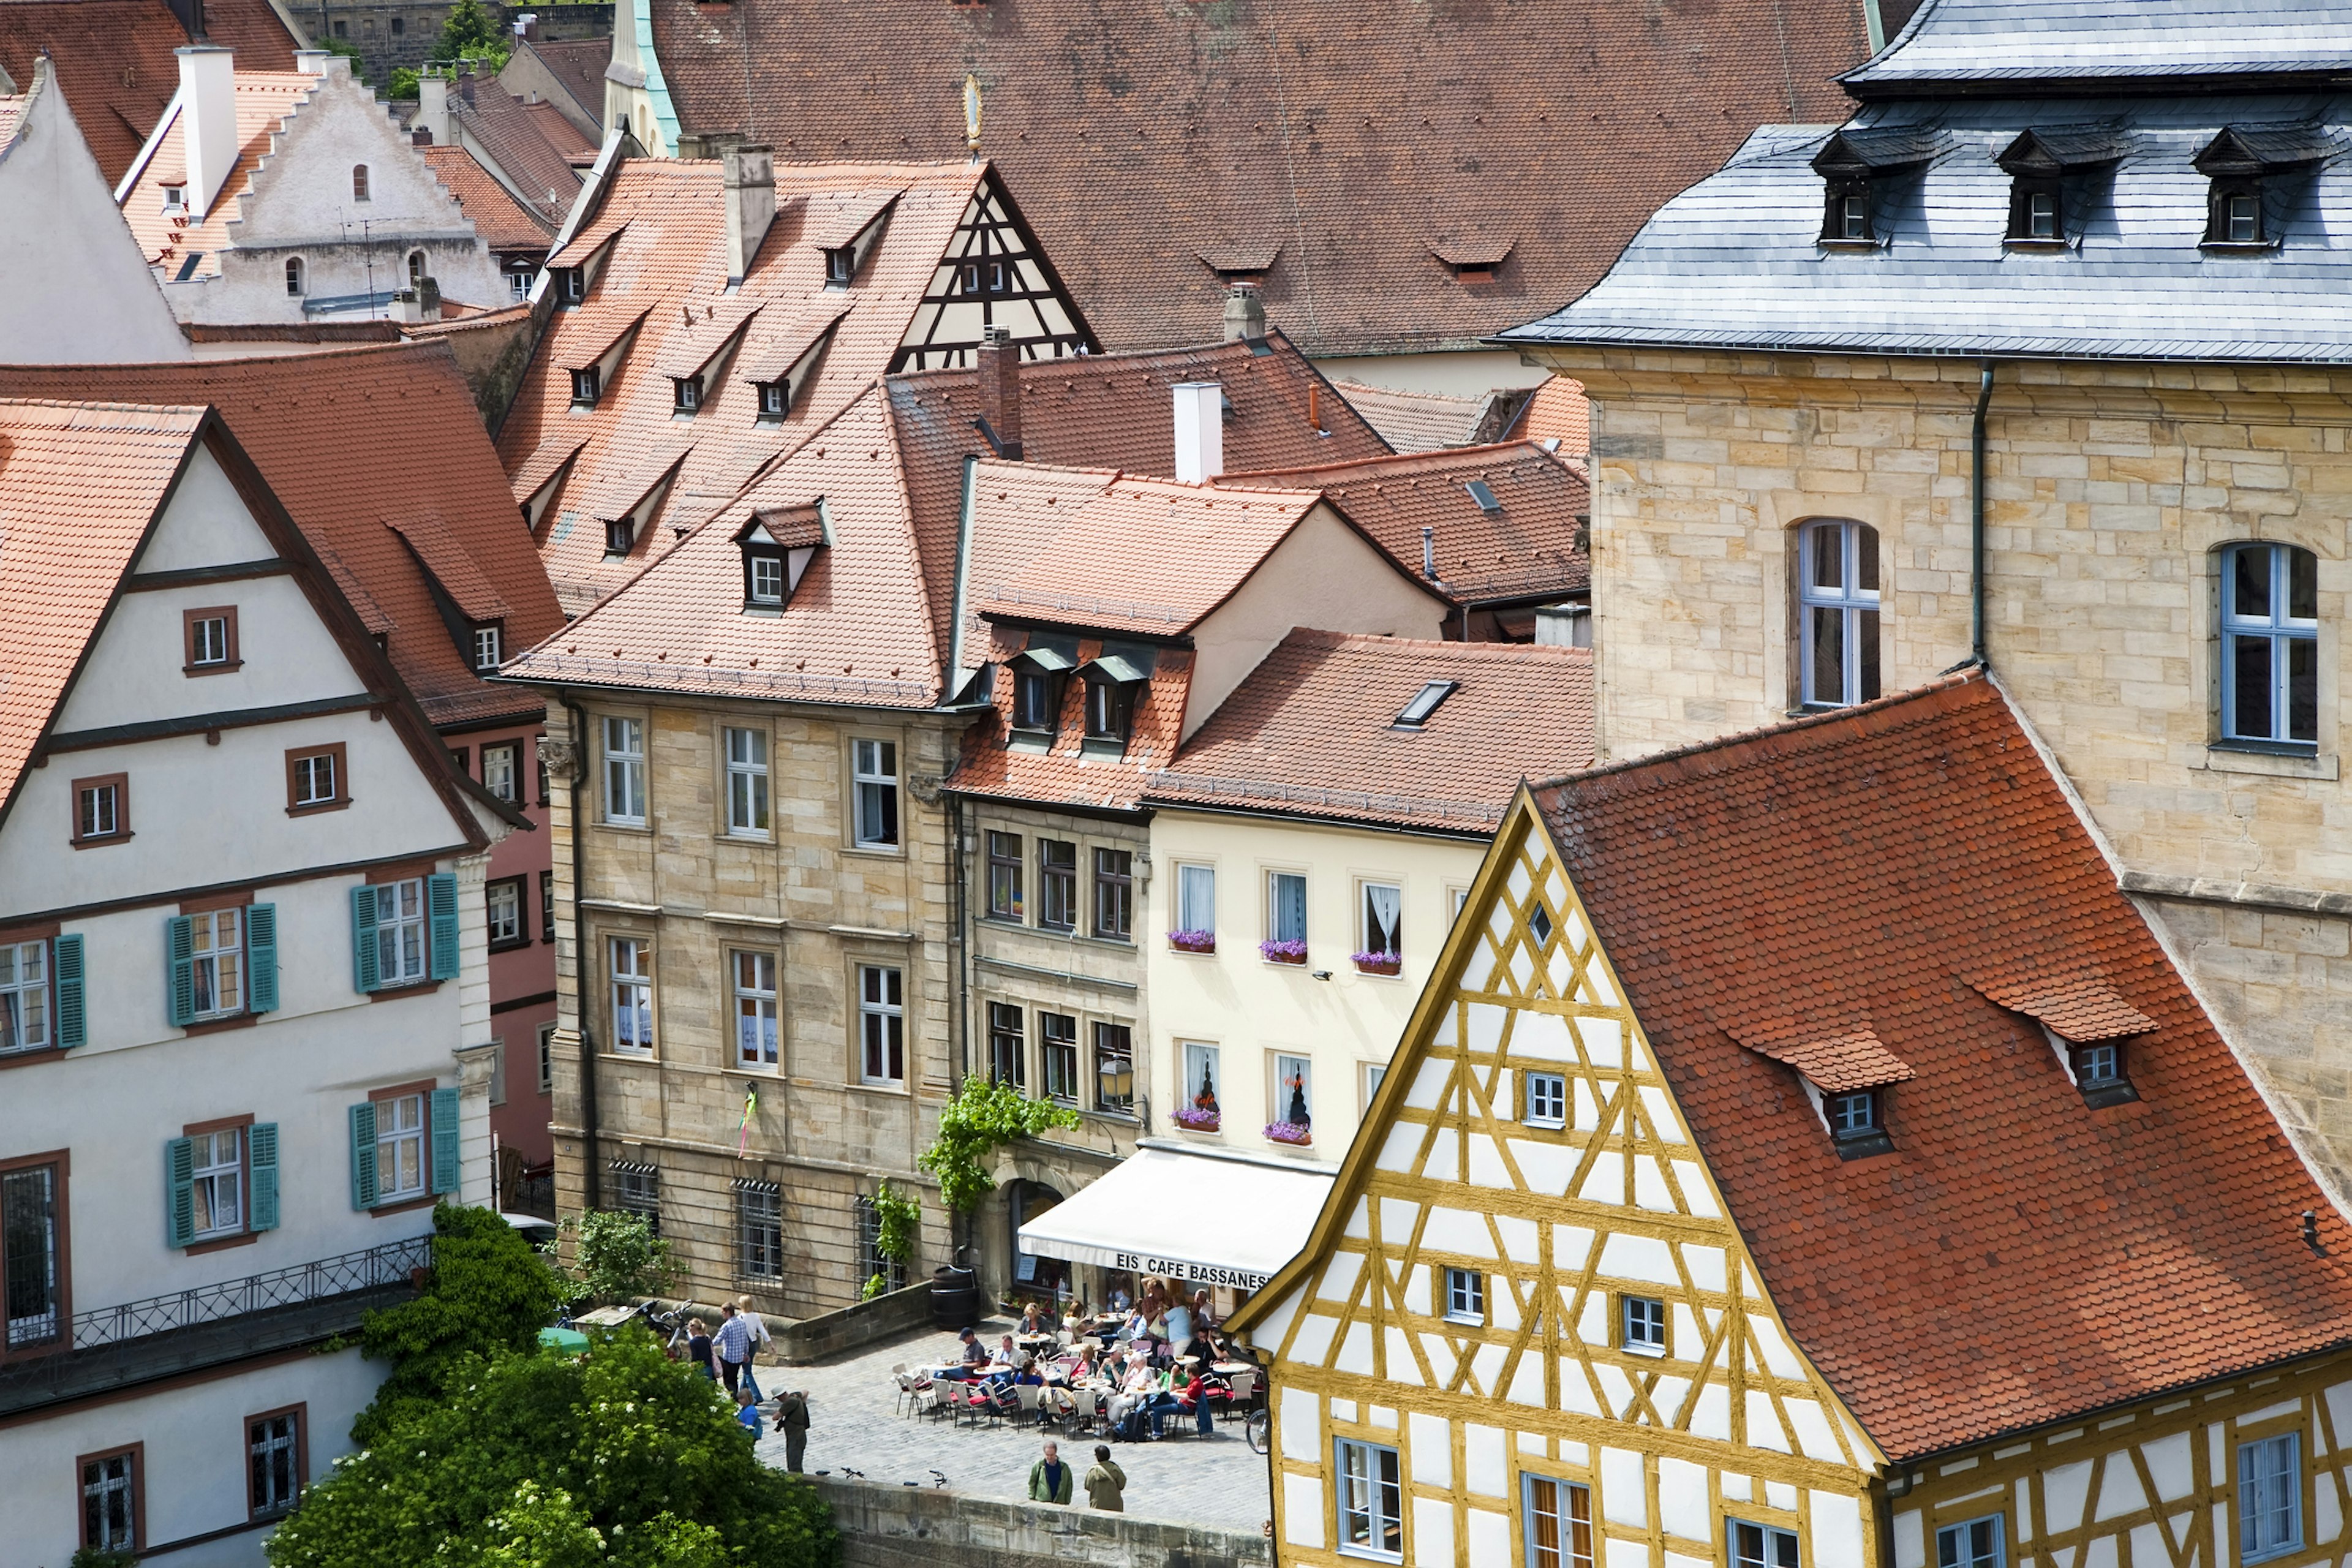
x=390 y=1264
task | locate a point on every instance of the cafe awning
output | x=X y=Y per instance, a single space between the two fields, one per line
x=1212 y=1220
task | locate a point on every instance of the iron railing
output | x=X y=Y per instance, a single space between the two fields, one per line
x=390 y=1264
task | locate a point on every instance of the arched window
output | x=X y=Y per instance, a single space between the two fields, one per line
x=2270 y=645
x=416 y=269
x=294 y=275
x=1837 y=599
x=359 y=183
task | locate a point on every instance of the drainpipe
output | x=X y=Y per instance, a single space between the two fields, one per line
x=593 y=1173
x=959 y=1224
x=1976 y=523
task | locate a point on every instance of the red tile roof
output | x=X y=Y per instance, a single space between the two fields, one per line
x=1312 y=731
x=2019 y=1258
x=1062 y=774
x=115 y=63
x=2079 y=1008
x=1423 y=421
x=1528 y=549
x=578 y=66
x=423 y=454
x=1357 y=138
x=1834 y=1060
x=534 y=146
x=1558 y=413
x=264 y=102
x=503 y=223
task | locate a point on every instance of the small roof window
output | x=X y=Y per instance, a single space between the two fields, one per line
x=1485 y=497
x=1424 y=702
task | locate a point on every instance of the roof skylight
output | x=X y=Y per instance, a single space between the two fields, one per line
x=1424 y=702
x=1483 y=497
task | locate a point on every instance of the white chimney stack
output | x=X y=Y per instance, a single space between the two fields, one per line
x=1199 y=431
x=207 y=120
x=433 y=106
x=749 y=174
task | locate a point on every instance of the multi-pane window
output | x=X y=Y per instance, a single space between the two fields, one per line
x=1465 y=1296
x=502 y=770
x=547 y=905
x=1004 y=876
x=399 y=1147
x=502 y=900
x=546 y=1058
x=755 y=1009
x=633 y=993
x=881 y=1024
x=1114 y=1069
x=1558 y=1517
x=1007 y=1042
x=747 y=782
x=759 y=1230
x=1761 y=1545
x=1371 y=1500
x=2099 y=1065
x=1374 y=1074
x=1111 y=710
x=1976 y=1543
x=1383 y=931
x=110 y=1502
x=767 y=576
x=30 y=1241
x=636 y=1189
x=1837 y=594
x=314 y=779
x=2270 y=1496
x=874 y=771
x=587 y=385
x=1854 y=1115
x=1196 y=900
x=1199 y=1082
x=686 y=392
x=870 y=1260
x=2269 y=644
x=1286 y=905
x=217 y=1194
x=624 y=772
x=402 y=948
x=1035 y=699
x=293 y=264
x=1057 y=1051
x=489 y=646
x=23 y=996
x=1645 y=1325
x=620 y=533
x=208 y=639
x=217 y=944
x=274 y=1445
x=97 y=809
x=1114 y=893
x=1546 y=1100
x=775 y=399
x=1057 y=884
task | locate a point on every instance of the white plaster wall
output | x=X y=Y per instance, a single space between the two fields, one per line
x=1325 y=575
x=206 y=524
x=135 y=672
x=195 y=1438
x=74 y=288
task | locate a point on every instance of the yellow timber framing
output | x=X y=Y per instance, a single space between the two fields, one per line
x=1418 y=1379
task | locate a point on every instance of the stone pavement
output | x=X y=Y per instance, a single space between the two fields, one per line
x=1217 y=1484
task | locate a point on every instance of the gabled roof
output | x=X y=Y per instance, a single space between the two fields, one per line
x=1527 y=548
x=534 y=146
x=1426 y=421
x=1062 y=773
x=1312 y=731
x=114 y=59
x=264 y=101
x=1350 y=136
x=342 y=493
x=503 y=223
x=2019 y=1258
x=577 y=65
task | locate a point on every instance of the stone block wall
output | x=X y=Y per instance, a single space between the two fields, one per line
x=903 y=1527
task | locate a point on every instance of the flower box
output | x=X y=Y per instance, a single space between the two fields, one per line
x=1378 y=963
x=1283 y=951
x=1195 y=1119
x=1289 y=1132
x=1192 y=941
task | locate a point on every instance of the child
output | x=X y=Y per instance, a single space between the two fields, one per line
x=747 y=1412
x=698 y=1347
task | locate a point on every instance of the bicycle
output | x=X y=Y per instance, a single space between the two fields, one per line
x=1259 y=1429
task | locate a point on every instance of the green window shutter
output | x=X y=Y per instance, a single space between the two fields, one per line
x=73 y=1024
x=364 y=1155
x=444 y=1141
x=441 y=904
x=261 y=958
x=261 y=1154
x=363 y=967
x=180 y=942
x=180 y=1191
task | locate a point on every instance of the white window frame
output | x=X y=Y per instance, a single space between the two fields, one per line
x=1278 y=1106
x=874 y=782
x=745 y=752
x=767 y=577
x=396 y=1139
x=625 y=770
x=502 y=765
x=1274 y=875
x=1364 y=917
x=881 y=1025
x=628 y=961
x=1546 y=1100
x=1768 y=1538
x=2282 y=630
x=519 y=287
x=1196 y=896
x=1197 y=1060
x=311 y=773
x=504 y=925
x=26 y=1018
x=403 y=946
x=1465 y=1296
x=208 y=641
x=217 y=1193
x=217 y=970
x=1952 y=1542
x=1565 y=1555
x=489 y=648
x=758 y=1038
x=97 y=811
x=1642 y=1325
x=1855 y=606
x=2258 y=1475
x=546 y=1058
x=1370 y=1489
x=1372 y=1075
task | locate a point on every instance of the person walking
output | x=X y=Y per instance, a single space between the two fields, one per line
x=733 y=1346
x=760 y=1342
x=697 y=1346
x=1050 y=1480
x=793 y=1421
x=1106 y=1483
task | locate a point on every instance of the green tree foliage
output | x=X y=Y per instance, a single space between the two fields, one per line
x=489 y=1291
x=618 y=1257
x=350 y=51
x=619 y=1459
x=402 y=88
x=982 y=1116
x=471 y=32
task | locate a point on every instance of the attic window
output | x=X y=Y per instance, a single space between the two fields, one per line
x=2237 y=214
x=840 y=265
x=1483 y=497
x=775 y=400
x=1115 y=678
x=777 y=548
x=175 y=198
x=983 y=278
x=1110 y=709
x=359 y=182
x=2244 y=161
x=2044 y=164
x=2033 y=210
x=1847 y=220
x=571 y=285
x=1424 y=702
x=763 y=576
x=587 y=386
x=686 y=393
x=489 y=644
x=1038 y=672
x=1854 y=163
x=620 y=533
x=1854 y=1115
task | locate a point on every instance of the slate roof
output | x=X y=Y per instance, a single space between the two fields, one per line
x=114 y=59
x=1528 y=549
x=503 y=223
x=265 y=100
x=352 y=497
x=1350 y=139
x=1985 y=45
x=2019 y=1258
x=1311 y=731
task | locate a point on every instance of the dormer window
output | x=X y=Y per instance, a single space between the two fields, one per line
x=775 y=400
x=489 y=646
x=1858 y=166
x=2044 y=164
x=2033 y=210
x=571 y=285
x=840 y=265
x=763 y=576
x=1039 y=673
x=2237 y=215
x=777 y=548
x=620 y=533
x=2086 y=1021
x=1848 y=213
x=1854 y=1115
x=1111 y=710
x=1115 y=678
x=686 y=394
x=587 y=386
x=175 y=198
x=1846 y=1072
x=2245 y=162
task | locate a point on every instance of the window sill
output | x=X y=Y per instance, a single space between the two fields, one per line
x=395 y=993
x=1467 y=1319
x=193 y=670
x=1865 y=1146
x=622 y=1054
x=612 y=825
x=1036 y=743
x=2237 y=247
x=27 y=1057
x=2098 y=1097
x=2030 y=246
x=1368 y=1555
x=876 y=851
x=2262 y=761
x=1546 y=1123
x=1857 y=245
x=102 y=843
x=220 y=1243
x=216 y=1025
x=1653 y=1353
x=1101 y=750
x=743 y=1070
x=511 y=945
x=401 y=1206
x=317 y=806
x=896 y=1089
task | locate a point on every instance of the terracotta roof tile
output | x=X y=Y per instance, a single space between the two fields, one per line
x=1558 y=413
x=79 y=485
x=1528 y=547
x=1061 y=774
x=2079 y=1008
x=114 y=59
x=1835 y=1059
x=2019 y=1258
x=264 y=101
x=1313 y=731
x=450 y=564
x=412 y=399
x=578 y=64
x=503 y=223
x=1354 y=135
x=1422 y=421
x=534 y=146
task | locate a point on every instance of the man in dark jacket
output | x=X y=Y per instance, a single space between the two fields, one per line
x=793 y=1421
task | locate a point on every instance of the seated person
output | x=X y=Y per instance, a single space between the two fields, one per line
x=1030 y=1375
x=974 y=1353
x=1033 y=1320
x=1012 y=1355
x=1179 y=1320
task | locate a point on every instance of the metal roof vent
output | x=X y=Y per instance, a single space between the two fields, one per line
x=1483 y=497
x=1424 y=702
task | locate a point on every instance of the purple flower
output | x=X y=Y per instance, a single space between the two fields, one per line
x=1288 y=1132
x=1193 y=941
x=1284 y=952
x=1195 y=1119
x=1377 y=960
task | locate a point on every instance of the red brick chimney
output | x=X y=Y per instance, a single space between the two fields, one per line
x=998 y=363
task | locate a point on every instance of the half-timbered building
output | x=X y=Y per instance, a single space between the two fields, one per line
x=1805 y=1156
